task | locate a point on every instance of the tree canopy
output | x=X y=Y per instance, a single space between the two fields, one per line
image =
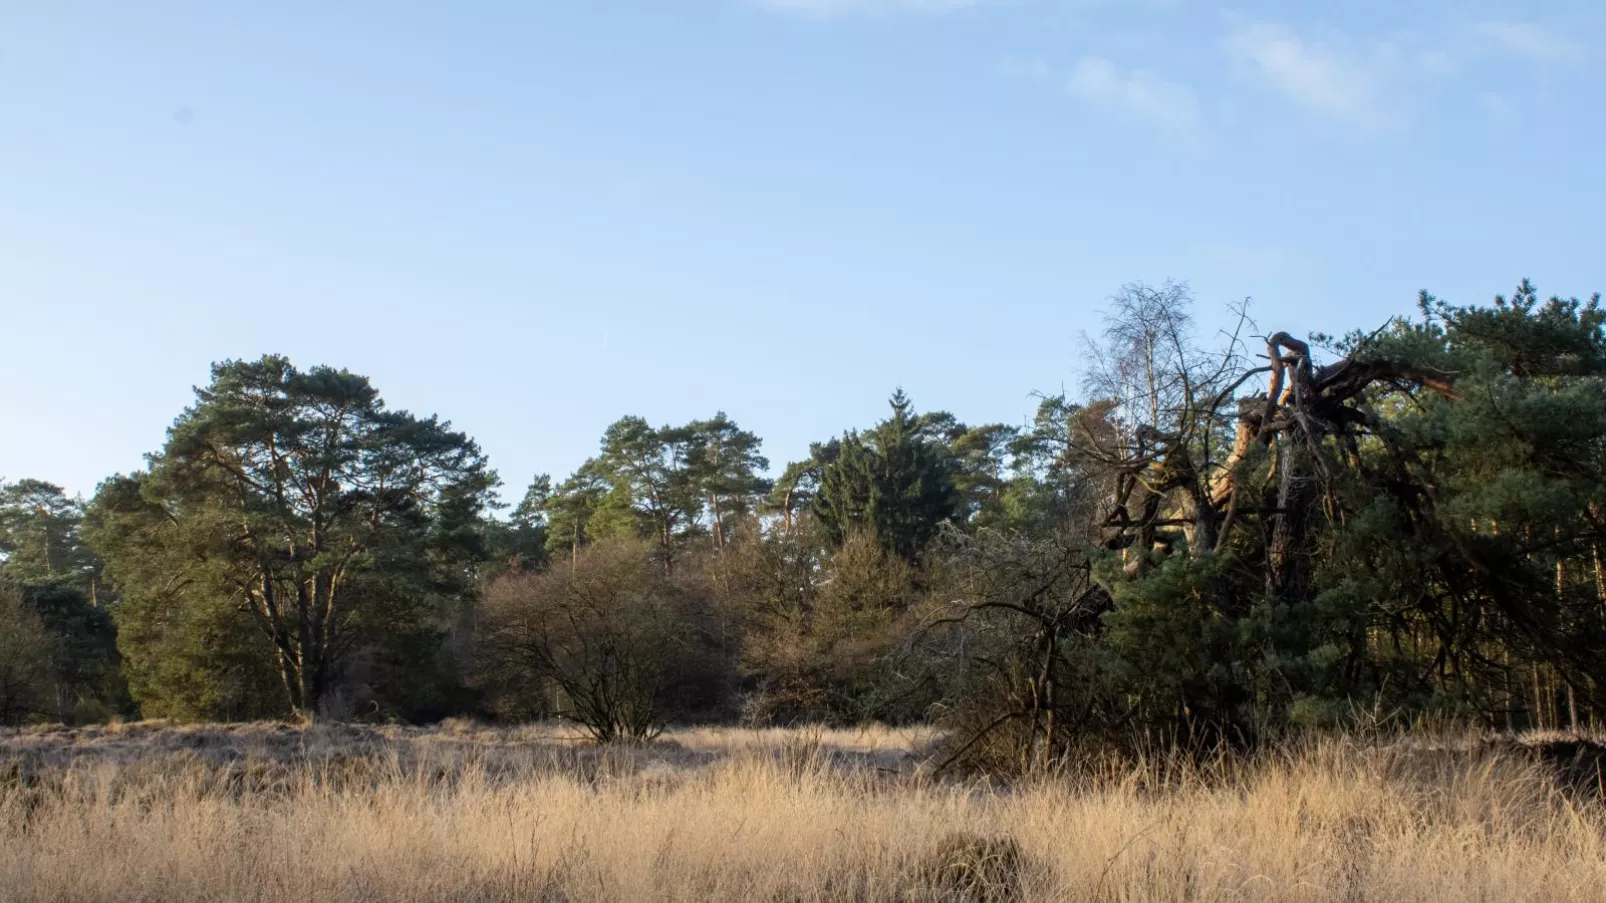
x=1214 y=541
x=296 y=502
x=891 y=481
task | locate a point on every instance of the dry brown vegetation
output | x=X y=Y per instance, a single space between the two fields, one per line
x=278 y=812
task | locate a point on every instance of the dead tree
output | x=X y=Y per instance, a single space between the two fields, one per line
x=1276 y=472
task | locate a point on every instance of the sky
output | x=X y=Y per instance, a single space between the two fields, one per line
x=532 y=218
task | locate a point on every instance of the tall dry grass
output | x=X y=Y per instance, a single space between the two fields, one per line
x=283 y=813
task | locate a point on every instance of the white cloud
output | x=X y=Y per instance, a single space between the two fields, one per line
x=1142 y=94
x=1533 y=41
x=833 y=9
x=1312 y=74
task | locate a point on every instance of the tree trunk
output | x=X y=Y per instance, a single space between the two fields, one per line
x=288 y=676
x=307 y=703
x=1288 y=555
x=719 y=524
x=1288 y=572
x=1539 y=700
x=1600 y=573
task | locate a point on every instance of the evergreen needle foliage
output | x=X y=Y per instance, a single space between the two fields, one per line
x=1213 y=544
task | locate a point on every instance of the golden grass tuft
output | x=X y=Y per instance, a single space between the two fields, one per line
x=280 y=812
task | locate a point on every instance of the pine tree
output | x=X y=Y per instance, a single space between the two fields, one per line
x=295 y=503
x=723 y=464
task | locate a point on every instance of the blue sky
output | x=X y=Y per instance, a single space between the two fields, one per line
x=533 y=218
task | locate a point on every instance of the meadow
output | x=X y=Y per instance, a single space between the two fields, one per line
x=286 y=812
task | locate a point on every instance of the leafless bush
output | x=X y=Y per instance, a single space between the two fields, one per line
x=606 y=640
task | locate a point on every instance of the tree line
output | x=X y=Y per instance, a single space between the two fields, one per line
x=1217 y=540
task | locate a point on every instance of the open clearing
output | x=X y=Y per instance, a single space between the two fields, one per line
x=277 y=812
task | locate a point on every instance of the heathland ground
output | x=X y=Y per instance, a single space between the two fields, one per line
x=281 y=812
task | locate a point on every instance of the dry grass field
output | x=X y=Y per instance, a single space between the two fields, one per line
x=273 y=812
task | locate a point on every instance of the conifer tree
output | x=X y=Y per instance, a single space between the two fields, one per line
x=295 y=503
x=891 y=481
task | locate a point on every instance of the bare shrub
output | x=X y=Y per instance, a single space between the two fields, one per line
x=823 y=654
x=606 y=641
x=1013 y=632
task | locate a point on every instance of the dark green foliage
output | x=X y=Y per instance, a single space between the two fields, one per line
x=84 y=664
x=25 y=647
x=1416 y=527
x=1213 y=545
x=723 y=464
x=295 y=503
x=1480 y=514
x=671 y=484
x=892 y=482
x=570 y=508
x=982 y=466
x=1180 y=642
x=1057 y=488
x=46 y=563
x=651 y=496
x=793 y=495
x=39 y=535
x=191 y=655
x=521 y=543
x=1452 y=544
